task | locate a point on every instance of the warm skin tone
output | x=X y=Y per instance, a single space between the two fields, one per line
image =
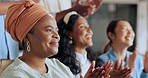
x=146 y=62
x=4 y=6
x=87 y=8
x=43 y=42
x=119 y=71
x=123 y=35
x=81 y=35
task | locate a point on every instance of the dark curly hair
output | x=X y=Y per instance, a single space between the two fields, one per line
x=66 y=52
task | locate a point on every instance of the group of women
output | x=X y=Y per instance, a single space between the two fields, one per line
x=69 y=40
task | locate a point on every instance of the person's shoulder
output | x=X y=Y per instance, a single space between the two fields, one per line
x=12 y=73
x=52 y=60
x=55 y=62
x=56 y=65
x=14 y=70
x=100 y=60
x=104 y=56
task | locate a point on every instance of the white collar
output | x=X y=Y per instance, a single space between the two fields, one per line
x=82 y=58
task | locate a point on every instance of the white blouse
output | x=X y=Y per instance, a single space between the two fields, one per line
x=84 y=63
x=19 y=69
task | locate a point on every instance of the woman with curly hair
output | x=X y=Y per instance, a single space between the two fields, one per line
x=74 y=46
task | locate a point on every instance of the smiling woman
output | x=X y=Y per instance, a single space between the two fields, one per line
x=32 y=25
x=121 y=36
x=74 y=46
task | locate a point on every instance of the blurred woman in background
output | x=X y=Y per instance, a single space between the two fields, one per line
x=121 y=36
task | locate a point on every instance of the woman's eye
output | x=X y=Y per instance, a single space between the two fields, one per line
x=123 y=28
x=82 y=26
x=48 y=30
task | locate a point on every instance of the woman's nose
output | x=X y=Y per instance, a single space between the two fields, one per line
x=89 y=30
x=55 y=34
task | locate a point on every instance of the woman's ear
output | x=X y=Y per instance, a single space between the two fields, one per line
x=111 y=35
x=28 y=36
x=69 y=35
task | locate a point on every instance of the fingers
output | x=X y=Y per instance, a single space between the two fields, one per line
x=107 y=68
x=146 y=62
x=97 y=73
x=135 y=52
x=91 y=67
x=87 y=8
x=90 y=70
x=107 y=72
x=126 y=73
x=120 y=64
x=78 y=2
x=117 y=64
x=146 y=54
x=107 y=64
x=81 y=76
x=98 y=3
x=132 y=59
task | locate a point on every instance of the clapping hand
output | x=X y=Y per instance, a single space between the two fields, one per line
x=88 y=7
x=132 y=59
x=146 y=62
x=99 y=72
x=119 y=71
x=97 y=3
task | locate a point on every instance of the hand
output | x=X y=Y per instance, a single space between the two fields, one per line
x=125 y=73
x=146 y=62
x=97 y=73
x=86 y=8
x=97 y=3
x=36 y=1
x=108 y=68
x=119 y=71
x=132 y=59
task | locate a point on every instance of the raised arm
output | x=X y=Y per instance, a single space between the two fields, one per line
x=5 y=5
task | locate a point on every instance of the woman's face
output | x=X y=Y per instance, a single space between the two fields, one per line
x=124 y=34
x=82 y=34
x=44 y=39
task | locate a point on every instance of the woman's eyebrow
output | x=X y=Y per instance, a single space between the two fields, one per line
x=50 y=26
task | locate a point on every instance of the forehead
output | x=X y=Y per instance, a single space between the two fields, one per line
x=47 y=20
x=122 y=24
x=81 y=20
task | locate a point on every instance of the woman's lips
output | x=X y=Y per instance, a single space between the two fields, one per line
x=54 y=42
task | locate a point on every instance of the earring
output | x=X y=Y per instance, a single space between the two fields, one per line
x=70 y=42
x=28 y=46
